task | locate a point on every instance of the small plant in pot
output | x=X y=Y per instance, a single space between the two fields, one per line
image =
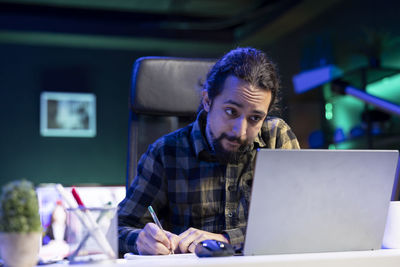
x=20 y=226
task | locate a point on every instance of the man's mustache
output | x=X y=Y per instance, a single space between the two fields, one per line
x=232 y=139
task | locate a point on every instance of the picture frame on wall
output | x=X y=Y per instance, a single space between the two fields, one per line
x=67 y=114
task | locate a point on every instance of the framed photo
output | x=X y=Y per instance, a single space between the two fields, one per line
x=67 y=114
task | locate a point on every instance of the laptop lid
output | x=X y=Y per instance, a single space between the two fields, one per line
x=319 y=200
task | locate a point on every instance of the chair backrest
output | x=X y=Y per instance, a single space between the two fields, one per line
x=165 y=95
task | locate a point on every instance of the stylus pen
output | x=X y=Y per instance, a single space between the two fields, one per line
x=153 y=214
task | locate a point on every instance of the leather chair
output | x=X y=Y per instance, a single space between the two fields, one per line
x=165 y=95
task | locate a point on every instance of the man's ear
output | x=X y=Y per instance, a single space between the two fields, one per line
x=206 y=101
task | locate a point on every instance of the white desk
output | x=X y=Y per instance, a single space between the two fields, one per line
x=380 y=258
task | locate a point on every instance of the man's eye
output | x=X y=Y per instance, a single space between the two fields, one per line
x=255 y=118
x=230 y=112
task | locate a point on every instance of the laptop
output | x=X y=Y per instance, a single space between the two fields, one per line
x=306 y=201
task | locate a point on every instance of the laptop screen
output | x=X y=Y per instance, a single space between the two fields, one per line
x=319 y=200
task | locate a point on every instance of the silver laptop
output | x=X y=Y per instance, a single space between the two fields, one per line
x=306 y=201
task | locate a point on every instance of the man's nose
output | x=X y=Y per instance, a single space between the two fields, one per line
x=240 y=127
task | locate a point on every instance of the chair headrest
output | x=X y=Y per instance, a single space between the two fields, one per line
x=168 y=86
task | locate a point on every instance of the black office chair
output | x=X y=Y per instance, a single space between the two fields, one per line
x=165 y=96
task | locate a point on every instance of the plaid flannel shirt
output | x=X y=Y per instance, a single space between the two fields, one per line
x=179 y=177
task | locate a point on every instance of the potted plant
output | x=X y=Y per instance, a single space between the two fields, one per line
x=20 y=226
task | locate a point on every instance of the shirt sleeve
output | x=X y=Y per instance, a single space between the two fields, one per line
x=148 y=188
x=236 y=237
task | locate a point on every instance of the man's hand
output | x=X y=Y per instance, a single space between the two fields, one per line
x=153 y=241
x=192 y=236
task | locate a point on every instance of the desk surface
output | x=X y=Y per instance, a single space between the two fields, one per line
x=378 y=258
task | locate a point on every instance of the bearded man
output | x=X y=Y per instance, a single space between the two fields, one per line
x=198 y=179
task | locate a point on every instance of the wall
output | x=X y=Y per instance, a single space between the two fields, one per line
x=25 y=73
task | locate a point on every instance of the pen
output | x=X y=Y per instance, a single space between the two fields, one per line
x=77 y=197
x=153 y=214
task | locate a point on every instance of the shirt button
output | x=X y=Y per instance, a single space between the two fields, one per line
x=231 y=188
x=230 y=214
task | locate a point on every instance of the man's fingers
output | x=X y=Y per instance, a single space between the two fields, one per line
x=191 y=237
x=187 y=232
x=157 y=234
x=155 y=248
x=200 y=237
x=147 y=245
x=187 y=238
x=152 y=241
x=192 y=247
x=174 y=241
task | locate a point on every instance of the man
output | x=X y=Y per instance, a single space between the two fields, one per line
x=198 y=179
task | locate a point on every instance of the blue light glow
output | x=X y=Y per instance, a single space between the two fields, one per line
x=373 y=100
x=308 y=80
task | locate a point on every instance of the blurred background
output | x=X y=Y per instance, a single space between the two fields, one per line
x=80 y=46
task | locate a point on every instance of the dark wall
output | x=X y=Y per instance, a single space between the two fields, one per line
x=26 y=72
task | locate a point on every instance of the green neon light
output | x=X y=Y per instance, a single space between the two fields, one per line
x=328 y=106
x=387 y=88
x=328 y=115
x=347 y=113
x=328 y=111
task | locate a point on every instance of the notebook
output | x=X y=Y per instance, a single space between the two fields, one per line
x=306 y=201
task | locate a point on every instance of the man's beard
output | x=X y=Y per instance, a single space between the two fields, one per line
x=225 y=156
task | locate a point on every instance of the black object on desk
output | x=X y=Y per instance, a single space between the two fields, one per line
x=213 y=248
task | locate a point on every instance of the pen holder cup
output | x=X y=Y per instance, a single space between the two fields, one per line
x=92 y=234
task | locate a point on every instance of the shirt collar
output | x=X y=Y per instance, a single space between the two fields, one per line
x=199 y=141
x=258 y=141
